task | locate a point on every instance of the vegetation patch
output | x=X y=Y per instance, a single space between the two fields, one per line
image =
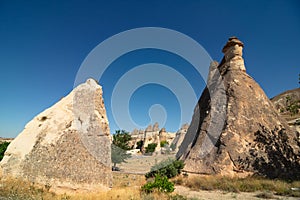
x=169 y=168
x=161 y=174
x=151 y=148
x=119 y=148
x=164 y=143
x=3 y=147
x=160 y=183
x=249 y=184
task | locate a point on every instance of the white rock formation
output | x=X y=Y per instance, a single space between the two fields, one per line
x=67 y=145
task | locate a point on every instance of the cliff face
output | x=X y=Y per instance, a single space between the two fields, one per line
x=67 y=145
x=235 y=128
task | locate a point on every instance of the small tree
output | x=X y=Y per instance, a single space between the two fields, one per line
x=151 y=148
x=118 y=155
x=139 y=144
x=121 y=139
x=292 y=106
x=119 y=147
x=169 y=168
x=3 y=147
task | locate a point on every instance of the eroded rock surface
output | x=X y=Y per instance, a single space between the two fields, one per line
x=235 y=129
x=67 y=145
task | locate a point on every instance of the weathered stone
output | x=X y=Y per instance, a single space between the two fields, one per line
x=155 y=127
x=235 y=129
x=149 y=128
x=166 y=136
x=180 y=134
x=67 y=145
x=152 y=134
x=136 y=136
x=288 y=106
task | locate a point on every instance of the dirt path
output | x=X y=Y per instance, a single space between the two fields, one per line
x=217 y=195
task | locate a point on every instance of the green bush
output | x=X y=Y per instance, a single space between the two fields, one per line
x=160 y=183
x=172 y=146
x=118 y=156
x=3 y=147
x=139 y=144
x=169 y=168
x=164 y=143
x=151 y=148
x=121 y=139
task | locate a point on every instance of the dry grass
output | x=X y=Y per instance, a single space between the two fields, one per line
x=126 y=187
x=249 y=184
x=18 y=189
x=125 y=180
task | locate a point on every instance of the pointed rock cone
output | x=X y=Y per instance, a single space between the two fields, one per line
x=235 y=129
x=66 y=146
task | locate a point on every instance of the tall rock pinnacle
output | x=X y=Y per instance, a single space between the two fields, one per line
x=235 y=129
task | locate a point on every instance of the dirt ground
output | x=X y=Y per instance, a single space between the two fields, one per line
x=216 y=195
x=140 y=164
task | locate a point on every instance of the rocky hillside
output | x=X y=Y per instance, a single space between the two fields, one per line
x=288 y=105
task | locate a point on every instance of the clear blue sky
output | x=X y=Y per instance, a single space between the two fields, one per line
x=43 y=43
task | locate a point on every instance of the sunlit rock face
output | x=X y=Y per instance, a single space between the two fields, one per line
x=235 y=129
x=67 y=145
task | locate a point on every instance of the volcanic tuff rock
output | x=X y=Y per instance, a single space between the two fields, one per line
x=180 y=134
x=67 y=145
x=235 y=129
x=151 y=134
x=286 y=99
x=288 y=105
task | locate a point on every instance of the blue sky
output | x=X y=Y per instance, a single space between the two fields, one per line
x=43 y=44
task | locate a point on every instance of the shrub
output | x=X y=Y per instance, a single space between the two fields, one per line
x=169 y=168
x=161 y=183
x=151 y=148
x=139 y=144
x=118 y=155
x=3 y=147
x=164 y=143
x=172 y=146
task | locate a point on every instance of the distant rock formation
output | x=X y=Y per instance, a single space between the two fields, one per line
x=152 y=134
x=5 y=139
x=235 y=129
x=180 y=134
x=67 y=145
x=288 y=106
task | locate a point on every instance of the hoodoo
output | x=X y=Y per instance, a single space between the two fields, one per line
x=235 y=129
